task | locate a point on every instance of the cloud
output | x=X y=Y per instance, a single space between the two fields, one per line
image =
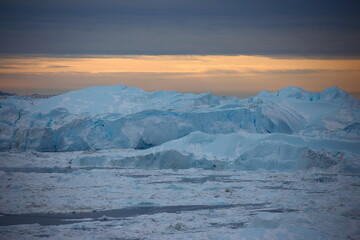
x=304 y=71
x=58 y=66
x=9 y=67
x=222 y=75
x=279 y=71
x=220 y=84
x=328 y=29
x=222 y=72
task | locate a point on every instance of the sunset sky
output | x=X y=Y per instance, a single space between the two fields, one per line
x=229 y=47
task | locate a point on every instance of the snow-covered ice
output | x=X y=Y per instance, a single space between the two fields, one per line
x=252 y=204
x=282 y=165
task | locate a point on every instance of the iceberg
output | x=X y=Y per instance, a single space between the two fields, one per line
x=291 y=129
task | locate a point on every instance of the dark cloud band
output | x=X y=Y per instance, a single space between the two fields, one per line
x=290 y=28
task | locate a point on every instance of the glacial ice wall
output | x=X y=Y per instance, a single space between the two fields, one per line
x=287 y=129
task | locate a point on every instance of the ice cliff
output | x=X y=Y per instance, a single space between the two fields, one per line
x=286 y=130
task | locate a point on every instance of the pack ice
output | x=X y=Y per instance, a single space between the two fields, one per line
x=291 y=129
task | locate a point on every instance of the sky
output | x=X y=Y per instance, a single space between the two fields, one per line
x=229 y=47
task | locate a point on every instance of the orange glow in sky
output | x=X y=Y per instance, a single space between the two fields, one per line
x=223 y=75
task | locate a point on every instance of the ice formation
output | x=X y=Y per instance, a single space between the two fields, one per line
x=291 y=129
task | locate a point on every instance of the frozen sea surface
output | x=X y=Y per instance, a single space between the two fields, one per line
x=58 y=202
